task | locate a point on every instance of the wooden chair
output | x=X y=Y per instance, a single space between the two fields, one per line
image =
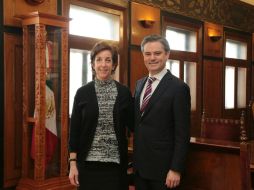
x=223 y=129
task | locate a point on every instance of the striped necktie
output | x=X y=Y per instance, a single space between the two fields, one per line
x=147 y=94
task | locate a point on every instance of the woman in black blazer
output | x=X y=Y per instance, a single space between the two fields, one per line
x=102 y=110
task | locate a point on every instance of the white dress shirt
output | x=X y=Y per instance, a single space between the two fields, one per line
x=155 y=83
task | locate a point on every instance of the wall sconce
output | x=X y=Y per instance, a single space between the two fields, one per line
x=146 y=23
x=214 y=35
x=34 y=2
x=215 y=38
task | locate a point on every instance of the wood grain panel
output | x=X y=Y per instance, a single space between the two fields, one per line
x=212 y=88
x=12 y=108
x=137 y=68
x=252 y=79
x=253 y=47
x=18 y=7
x=213 y=48
x=141 y=12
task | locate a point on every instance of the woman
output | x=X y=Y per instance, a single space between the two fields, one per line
x=101 y=111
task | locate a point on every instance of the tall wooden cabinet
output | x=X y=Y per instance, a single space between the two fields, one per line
x=45 y=102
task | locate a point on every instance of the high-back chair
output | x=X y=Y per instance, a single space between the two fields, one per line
x=223 y=129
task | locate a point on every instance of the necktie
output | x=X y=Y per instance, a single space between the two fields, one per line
x=147 y=94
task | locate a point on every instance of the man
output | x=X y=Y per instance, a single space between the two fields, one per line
x=162 y=114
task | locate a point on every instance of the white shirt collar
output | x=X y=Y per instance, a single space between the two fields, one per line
x=160 y=75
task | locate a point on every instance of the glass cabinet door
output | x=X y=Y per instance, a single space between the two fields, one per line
x=45 y=101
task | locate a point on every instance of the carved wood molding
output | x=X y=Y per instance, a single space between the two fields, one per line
x=25 y=101
x=64 y=103
x=40 y=99
x=222 y=121
x=229 y=13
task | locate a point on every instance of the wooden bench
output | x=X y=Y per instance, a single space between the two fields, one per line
x=223 y=129
x=216 y=164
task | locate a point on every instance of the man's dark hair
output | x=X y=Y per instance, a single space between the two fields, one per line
x=155 y=38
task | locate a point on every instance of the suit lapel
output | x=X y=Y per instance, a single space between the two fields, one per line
x=161 y=88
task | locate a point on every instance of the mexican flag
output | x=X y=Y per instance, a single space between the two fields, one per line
x=51 y=130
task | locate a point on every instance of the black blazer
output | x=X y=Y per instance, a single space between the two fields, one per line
x=161 y=134
x=84 y=120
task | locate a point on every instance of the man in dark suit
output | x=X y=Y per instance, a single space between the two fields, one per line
x=162 y=111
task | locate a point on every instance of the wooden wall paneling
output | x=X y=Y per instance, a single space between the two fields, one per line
x=12 y=108
x=252 y=47
x=252 y=67
x=123 y=67
x=212 y=88
x=213 y=48
x=65 y=8
x=137 y=68
x=19 y=7
x=141 y=12
x=250 y=112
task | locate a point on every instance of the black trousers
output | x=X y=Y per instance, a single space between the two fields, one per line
x=147 y=184
x=101 y=176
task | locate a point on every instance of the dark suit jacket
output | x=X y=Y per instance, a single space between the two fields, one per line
x=84 y=120
x=161 y=135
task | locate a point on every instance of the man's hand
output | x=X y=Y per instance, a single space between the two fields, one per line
x=73 y=175
x=173 y=179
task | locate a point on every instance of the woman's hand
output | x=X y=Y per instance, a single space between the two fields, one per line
x=73 y=175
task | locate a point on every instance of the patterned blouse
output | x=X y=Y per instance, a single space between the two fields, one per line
x=104 y=147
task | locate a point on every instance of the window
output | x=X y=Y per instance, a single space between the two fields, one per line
x=190 y=69
x=230 y=83
x=229 y=87
x=236 y=49
x=174 y=67
x=181 y=39
x=237 y=64
x=241 y=90
x=184 y=55
x=90 y=24
x=94 y=24
x=190 y=77
x=80 y=72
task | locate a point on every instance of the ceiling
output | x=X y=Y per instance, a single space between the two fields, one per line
x=251 y=2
